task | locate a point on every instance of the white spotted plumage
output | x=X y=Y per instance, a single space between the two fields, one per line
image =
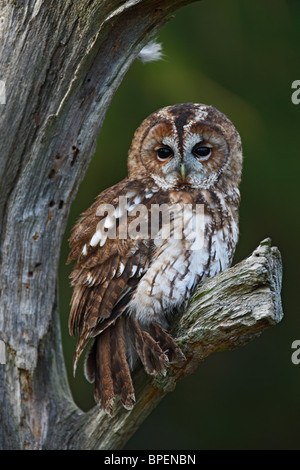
x=127 y=288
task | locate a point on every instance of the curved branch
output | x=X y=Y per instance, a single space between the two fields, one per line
x=226 y=312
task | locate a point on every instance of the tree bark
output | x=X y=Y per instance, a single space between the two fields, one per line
x=62 y=63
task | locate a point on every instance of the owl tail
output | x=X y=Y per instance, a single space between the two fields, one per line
x=107 y=366
x=107 y=363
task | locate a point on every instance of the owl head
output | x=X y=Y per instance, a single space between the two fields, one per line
x=187 y=145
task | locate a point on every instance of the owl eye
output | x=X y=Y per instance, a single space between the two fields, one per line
x=202 y=152
x=164 y=152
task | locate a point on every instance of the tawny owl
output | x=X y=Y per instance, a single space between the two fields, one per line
x=132 y=272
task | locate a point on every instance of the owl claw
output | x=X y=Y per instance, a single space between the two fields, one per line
x=130 y=402
x=179 y=358
x=167 y=343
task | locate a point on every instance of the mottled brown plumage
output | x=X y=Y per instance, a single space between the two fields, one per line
x=127 y=287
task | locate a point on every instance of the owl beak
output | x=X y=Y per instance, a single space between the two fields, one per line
x=182 y=171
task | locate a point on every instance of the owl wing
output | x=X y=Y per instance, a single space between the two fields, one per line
x=107 y=268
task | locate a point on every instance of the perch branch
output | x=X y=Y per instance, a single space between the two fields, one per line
x=226 y=312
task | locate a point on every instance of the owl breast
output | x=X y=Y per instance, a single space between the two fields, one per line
x=203 y=248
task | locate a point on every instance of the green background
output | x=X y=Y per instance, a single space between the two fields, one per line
x=240 y=56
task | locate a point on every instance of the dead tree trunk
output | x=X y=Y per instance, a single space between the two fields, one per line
x=61 y=63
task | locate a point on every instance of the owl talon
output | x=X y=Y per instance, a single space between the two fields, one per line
x=154 y=360
x=129 y=402
x=167 y=343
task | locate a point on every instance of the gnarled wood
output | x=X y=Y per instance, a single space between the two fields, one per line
x=62 y=63
x=226 y=312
